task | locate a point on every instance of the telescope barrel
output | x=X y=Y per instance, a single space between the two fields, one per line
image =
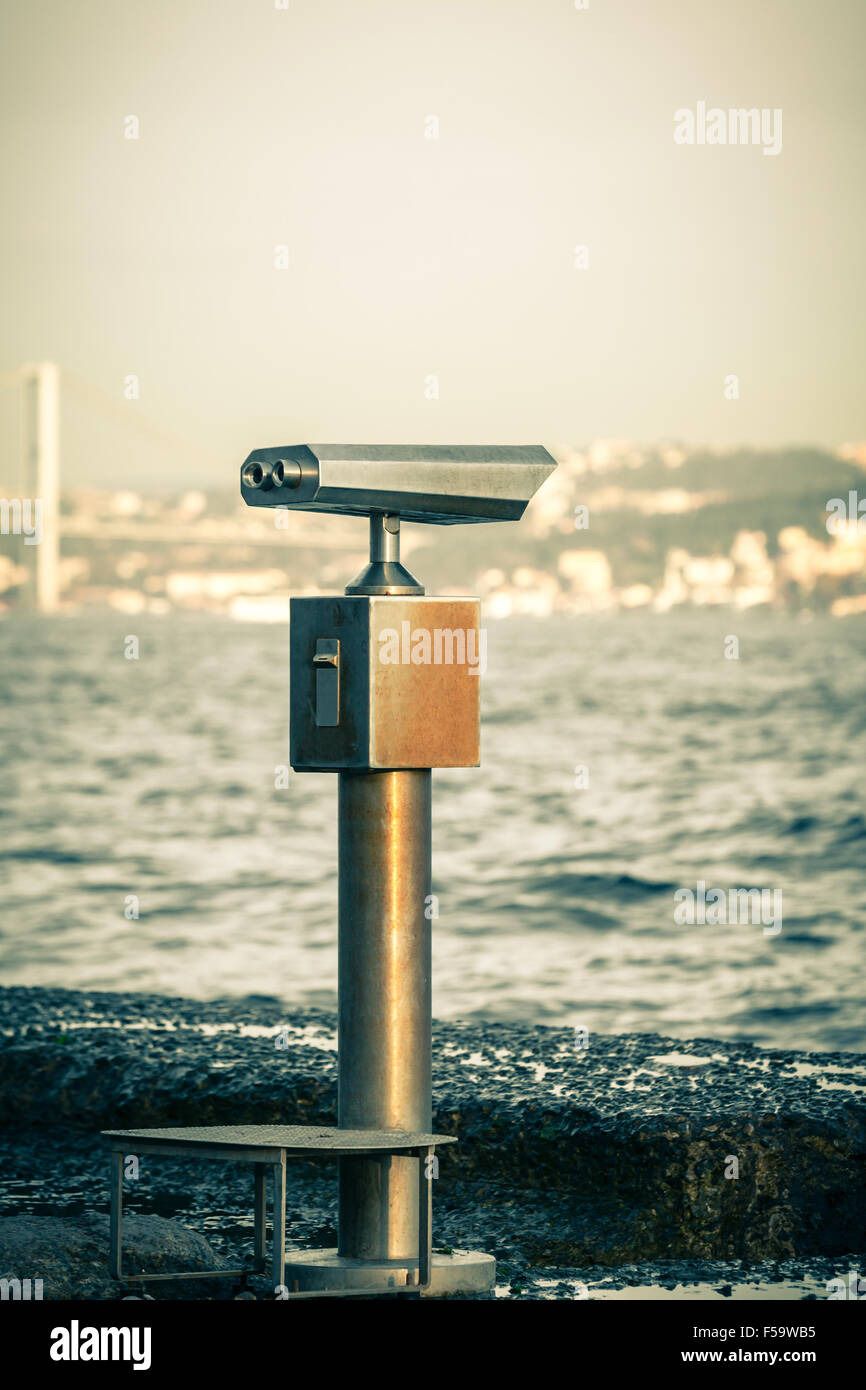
x=445 y=484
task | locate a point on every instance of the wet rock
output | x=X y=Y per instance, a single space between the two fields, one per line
x=70 y=1255
x=631 y=1148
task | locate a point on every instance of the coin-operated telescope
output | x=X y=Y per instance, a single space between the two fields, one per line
x=384 y=687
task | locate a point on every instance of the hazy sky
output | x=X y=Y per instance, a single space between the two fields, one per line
x=412 y=257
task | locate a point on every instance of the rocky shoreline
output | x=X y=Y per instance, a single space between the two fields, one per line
x=619 y=1155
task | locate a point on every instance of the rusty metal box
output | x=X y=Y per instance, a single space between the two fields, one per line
x=386 y=682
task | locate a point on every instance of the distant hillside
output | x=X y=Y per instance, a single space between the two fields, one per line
x=761 y=491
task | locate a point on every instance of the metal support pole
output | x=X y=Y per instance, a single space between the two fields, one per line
x=115 y=1239
x=278 y=1244
x=425 y=1217
x=384 y=574
x=384 y=1056
x=384 y=539
x=260 y=1215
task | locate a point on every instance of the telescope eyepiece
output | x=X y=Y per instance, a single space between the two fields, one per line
x=287 y=473
x=254 y=474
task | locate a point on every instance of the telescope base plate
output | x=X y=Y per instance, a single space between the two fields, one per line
x=464 y=1271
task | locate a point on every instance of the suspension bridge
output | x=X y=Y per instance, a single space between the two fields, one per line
x=31 y=474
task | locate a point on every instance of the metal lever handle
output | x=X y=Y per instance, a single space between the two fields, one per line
x=326 y=660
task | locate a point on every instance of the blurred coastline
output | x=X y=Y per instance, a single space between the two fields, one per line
x=617 y=527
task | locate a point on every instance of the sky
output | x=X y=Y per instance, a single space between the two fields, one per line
x=428 y=288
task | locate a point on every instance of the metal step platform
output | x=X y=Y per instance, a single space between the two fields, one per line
x=268 y=1147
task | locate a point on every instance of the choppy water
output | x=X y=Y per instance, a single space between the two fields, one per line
x=156 y=778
